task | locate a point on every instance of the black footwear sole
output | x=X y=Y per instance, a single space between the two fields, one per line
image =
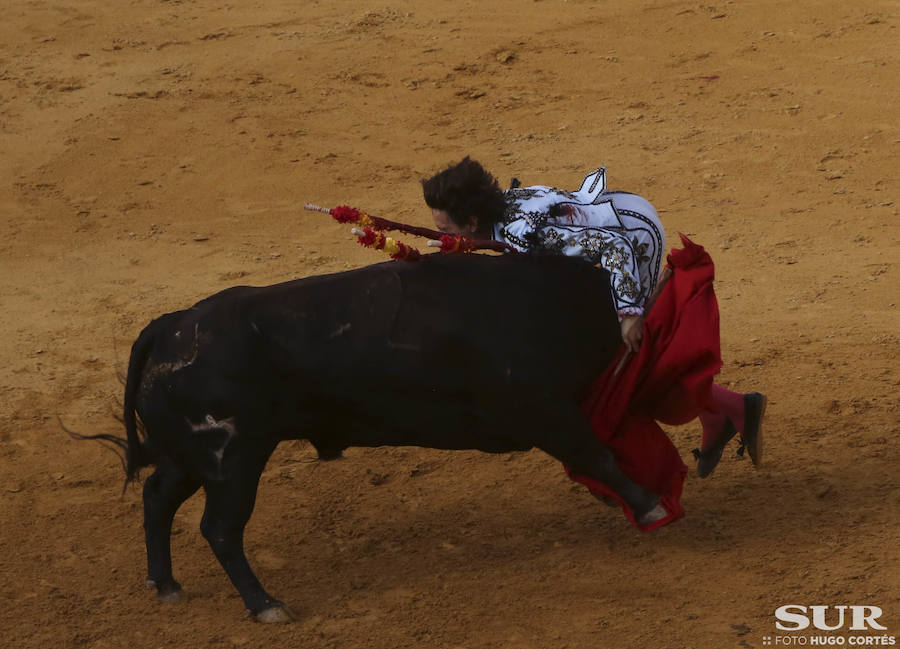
x=752 y=437
x=708 y=460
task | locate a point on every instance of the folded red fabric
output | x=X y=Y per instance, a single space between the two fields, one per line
x=668 y=381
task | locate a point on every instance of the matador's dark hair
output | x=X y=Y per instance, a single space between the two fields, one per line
x=466 y=190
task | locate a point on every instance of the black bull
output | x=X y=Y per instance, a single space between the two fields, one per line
x=452 y=352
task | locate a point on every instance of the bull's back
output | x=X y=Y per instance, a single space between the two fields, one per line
x=547 y=316
x=515 y=318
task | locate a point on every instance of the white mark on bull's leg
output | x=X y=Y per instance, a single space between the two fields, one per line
x=255 y=328
x=211 y=424
x=340 y=330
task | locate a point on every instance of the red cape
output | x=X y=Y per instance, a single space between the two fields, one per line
x=669 y=381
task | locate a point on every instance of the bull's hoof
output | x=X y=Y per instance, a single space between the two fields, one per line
x=656 y=514
x=170 y=594
x=280 y=614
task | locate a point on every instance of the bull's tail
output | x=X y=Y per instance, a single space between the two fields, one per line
x=137 y=455
x=132 y=451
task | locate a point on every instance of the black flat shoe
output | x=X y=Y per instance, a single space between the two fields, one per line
x=752 y=437
x=709 y=458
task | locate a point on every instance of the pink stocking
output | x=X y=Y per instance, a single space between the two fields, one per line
x=728 y=405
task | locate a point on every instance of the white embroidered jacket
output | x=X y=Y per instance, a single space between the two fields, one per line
x=619 y=231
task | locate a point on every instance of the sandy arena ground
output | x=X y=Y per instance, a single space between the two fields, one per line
x=155 y=151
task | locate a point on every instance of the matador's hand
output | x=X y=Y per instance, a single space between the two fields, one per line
x=632 y=332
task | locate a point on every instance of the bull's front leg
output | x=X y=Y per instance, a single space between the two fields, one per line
x=604 y=468
x=571 y=441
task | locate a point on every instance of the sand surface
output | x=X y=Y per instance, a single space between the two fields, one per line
x=154 y=152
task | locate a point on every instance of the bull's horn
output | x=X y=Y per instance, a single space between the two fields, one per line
x=434 y=243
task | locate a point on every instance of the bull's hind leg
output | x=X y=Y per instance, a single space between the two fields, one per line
x=164 y=492
x=229 y=504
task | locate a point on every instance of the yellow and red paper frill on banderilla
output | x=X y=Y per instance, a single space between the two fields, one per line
x=380 y=241
x=370 y=234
